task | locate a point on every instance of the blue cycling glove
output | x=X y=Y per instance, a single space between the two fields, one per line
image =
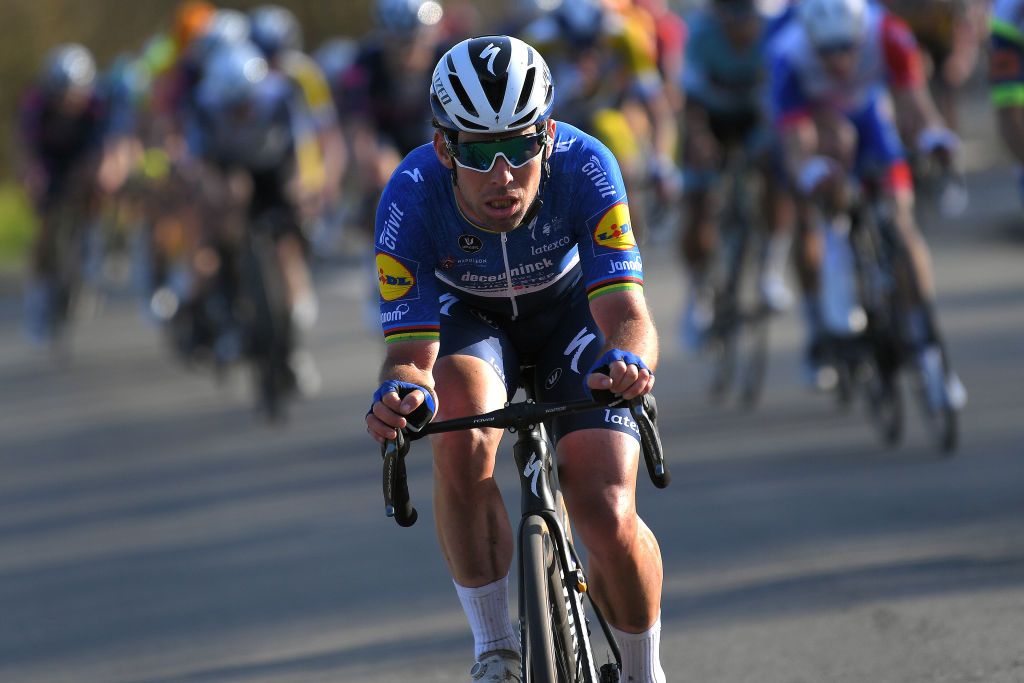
x=418 y=418
x=602 y=364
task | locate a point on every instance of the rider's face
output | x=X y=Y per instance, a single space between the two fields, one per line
x=840 y=63
x=496 y=199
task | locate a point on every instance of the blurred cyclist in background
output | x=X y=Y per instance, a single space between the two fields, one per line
x=385 y=107
x=949 y=34
x=63 y=122
x=831 y=72
x=276 y=31
x=724 y=80
x=1006 y=76
x=248 y=126
x=605 y=56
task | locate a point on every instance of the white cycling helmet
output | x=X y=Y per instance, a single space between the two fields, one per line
x=69 y=67
x=407 y=16
x=233 y=75
x=491 y=84
x=274 y=29
x=831 y=23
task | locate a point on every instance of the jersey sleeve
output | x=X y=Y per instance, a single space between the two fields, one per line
x=311 y=80
x=608 y=252
x=406 y=286
x=788 y=101
x=902 y=61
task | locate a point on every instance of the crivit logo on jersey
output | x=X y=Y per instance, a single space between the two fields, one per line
x=389 y=229
x=595 y=171
x=393 y=278
x=613 y=230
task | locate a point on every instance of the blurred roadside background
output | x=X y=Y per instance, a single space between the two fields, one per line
x=28 y=29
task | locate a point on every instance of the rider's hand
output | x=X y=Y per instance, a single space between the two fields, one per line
x=667 y=177
x=390 y=412
x=628 y=376
x=940 y=143
x=817 y=174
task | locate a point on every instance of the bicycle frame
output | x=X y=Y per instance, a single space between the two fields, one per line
x=539 y=499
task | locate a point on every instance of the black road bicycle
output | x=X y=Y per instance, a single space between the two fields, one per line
x=738 y=336
x=553 y=622
x=871 y=361
x=263 y=310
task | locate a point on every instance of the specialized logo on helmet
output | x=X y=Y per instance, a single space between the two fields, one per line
x=393 y=279
x=614 y=230
x=490 y=53
x=440 y=91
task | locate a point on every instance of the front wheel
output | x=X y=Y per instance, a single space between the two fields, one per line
x=538 y=638
x=552 y=637
x=941 y=419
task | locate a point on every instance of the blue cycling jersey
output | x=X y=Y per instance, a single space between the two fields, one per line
x=428 y=253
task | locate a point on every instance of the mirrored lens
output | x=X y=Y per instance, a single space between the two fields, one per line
x=517 y=151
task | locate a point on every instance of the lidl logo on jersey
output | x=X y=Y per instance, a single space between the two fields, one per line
x=614 y=230
x=393 y=278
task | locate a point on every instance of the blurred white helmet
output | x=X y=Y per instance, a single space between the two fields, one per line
x=491 y=84
x=274 y=29
x=233 y=75
x=833 y=23
x=227 y=27
x=407 y=16
x=69 y=67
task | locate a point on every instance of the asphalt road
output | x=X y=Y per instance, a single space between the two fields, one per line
x=152 y=530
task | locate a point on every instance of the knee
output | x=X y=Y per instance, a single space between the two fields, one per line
x=463 y=460
x=607 y=524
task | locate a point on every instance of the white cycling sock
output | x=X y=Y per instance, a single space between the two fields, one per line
x=641 y=661
x=486 y=608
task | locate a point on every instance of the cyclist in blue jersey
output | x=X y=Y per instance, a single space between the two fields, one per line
x=509 y=238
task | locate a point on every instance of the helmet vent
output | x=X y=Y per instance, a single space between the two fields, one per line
x=520 y=122
x=524 y=96
x=469 y=125
x=462 y=95
x=495 y=90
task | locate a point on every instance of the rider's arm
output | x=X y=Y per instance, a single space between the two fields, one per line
x=410 y=362
x=915 y=109
x=792 y=112
x=408 y=298
x=625 y=321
